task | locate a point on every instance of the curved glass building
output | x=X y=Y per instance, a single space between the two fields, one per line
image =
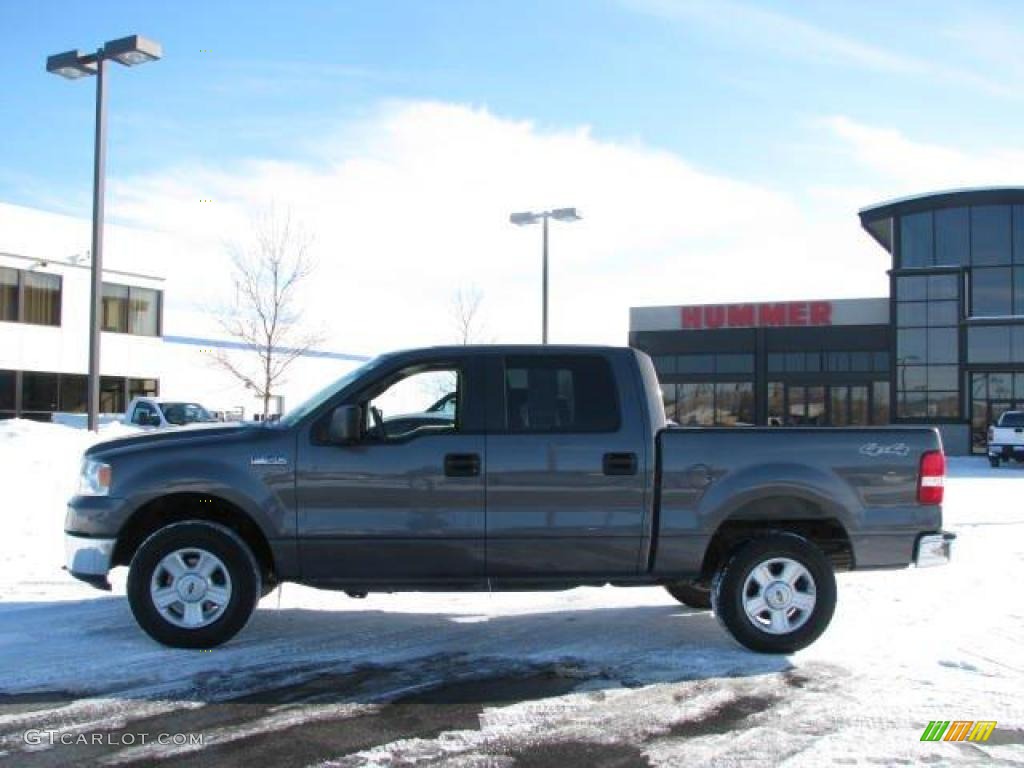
x=945 y=348
x=957 y=307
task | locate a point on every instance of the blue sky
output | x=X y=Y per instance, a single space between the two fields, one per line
x=718 y=150
x=735 y=88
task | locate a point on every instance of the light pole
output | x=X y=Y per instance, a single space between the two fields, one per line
x=128 y=51
x=528 y=217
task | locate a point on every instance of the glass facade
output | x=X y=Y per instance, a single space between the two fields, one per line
x=39 y=394
x=928 y=346
x=958 y=301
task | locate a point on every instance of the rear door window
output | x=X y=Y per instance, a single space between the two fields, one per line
x=571 y=393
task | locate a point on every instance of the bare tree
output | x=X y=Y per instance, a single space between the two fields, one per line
x=467 y=319
x=268 y=270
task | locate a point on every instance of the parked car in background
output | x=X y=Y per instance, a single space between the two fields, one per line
x=160 y=413
x=1006 y=438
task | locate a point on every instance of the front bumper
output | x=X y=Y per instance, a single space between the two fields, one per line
x=88 y=558
x=934 y=549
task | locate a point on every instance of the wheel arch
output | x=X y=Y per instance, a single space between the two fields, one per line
x=780 y=513
x=176 y=507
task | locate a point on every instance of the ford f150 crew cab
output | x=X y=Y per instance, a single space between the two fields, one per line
x=548 y=468
x=1006 y=438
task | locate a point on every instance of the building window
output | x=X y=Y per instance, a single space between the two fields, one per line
x=38 y=391
x=143 y=388
x=990 y=235
x=74 y=390
x=41 y=294
x=991 y=292
x=696 y=405
x=880 y=402
x=952 y=237
x=995 y=344
x=29 y=297
x=8 y=394
x=8 y=294
x=130 y=309
x=721 y=403
x=916 y=240
x=115 y=308
x=776 y=403
x=734 y=403
x=927 y=346
x=112 y=395
x=1018 y=234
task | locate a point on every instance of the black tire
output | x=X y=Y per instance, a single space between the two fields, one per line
x=993 y=461
x=238 y=561
x=727 y=592
x=690 y=594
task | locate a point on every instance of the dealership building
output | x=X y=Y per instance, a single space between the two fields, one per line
x=945 y=348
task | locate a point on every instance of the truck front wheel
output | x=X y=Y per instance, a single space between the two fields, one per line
x=193 y=584
x=775 y=594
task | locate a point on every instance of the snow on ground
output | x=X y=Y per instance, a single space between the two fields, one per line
x=590 y=676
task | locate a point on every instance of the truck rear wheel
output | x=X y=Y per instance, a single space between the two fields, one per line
x=193 y=584
x=775 y=594
x=690 y=594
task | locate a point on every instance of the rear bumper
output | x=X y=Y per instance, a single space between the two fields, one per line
x=88 y=558
x=1006 y=451
x=934 y=549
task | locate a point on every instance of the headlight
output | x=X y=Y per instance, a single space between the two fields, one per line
x=95 y=478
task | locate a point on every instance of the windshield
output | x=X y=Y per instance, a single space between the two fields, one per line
x=296 y=414
x=185 y=413
x=1012 y=419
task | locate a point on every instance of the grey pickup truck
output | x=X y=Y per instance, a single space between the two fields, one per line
x=503 y=467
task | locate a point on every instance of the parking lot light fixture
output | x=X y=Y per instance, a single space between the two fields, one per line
x=525 y=218
x=73 y=65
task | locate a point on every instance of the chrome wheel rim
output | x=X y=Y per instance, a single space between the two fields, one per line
x=190 y=588
x=779 y=595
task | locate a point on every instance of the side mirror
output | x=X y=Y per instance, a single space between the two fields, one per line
x=344 y=426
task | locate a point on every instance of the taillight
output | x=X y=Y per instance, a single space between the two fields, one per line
x=991 y=434
x=931 y=483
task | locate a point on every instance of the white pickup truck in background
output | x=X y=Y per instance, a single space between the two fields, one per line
x=1006 y=438
x=163 y=413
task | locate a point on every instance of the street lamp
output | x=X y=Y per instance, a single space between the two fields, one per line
x=72 y=65
x=528 y=217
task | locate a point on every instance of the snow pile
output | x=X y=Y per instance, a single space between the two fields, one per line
x=40 y=464
x=905 y=647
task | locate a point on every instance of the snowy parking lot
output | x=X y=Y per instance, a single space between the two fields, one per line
x=595 y=676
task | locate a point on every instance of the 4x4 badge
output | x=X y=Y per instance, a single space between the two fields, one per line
x=274 y=461
x=877 y=449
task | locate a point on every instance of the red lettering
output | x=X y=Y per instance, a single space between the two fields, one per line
x=797 y=313
x=691 y=317
x=771 y=314
x=741 y=315
x=714 y=317
x=821 y=313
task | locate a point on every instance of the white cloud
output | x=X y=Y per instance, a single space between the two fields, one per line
x=907 y=166
x=787 y=35
x=413 y=202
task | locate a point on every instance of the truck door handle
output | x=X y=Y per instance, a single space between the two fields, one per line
x=461 y=465
x=619 y=464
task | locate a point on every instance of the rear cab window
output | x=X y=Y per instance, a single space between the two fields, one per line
x=560 y=393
